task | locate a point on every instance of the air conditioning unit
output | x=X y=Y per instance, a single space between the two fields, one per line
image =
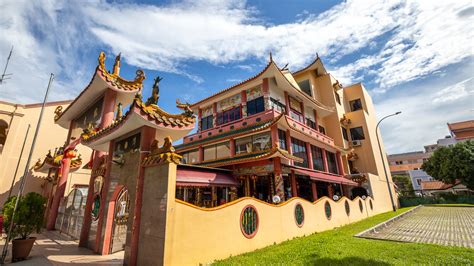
x=356 y=143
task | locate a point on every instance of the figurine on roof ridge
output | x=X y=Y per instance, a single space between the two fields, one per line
x=155 y=93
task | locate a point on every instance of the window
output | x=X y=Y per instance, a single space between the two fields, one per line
x=255 y=106
x=310 y=123
x=277 y=105
x=282 y=139
x=129 y=144
x=317 y=154
x=229 y=115
x=418 y=181
x=191 y=157
x=355 y=105
x=296 y=116
x=357 y=133
x=305 y=86
x=322 y=130
x=206 y=122
x=344 y=133
x=338 y=98
x=332 y=164
x=221 y=150
x=253 y=143
x=3 y=134
x=299 y=150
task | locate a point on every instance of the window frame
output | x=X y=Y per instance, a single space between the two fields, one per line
x=357 y=108
x=299 y=148
x=224 y=117
x=361 y=133
x=209 y=122
x=309 y=87
x=254 y=103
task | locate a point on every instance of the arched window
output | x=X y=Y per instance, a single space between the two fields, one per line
x=3 y=133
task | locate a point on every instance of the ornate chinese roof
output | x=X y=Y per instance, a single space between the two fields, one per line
x=53 y=161
x=100 y=81
x=153 y=115
x=249 y=157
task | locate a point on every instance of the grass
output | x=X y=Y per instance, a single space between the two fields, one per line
x=340 y=247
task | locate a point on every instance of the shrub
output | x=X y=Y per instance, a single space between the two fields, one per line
x=29 y=216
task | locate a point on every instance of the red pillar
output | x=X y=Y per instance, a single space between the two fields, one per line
x=302 y=112
x=330 y=190
x=288 y=143
x=147 y=136
x=103 y=200
x=275 y=139
x=294 y=189
x=314 y=190
x=199 y=119
x=201 y=154
x=58 y=195
x=287 y=102
x=309 y=155
x=340 y=167
x=108 y=109
x=279 y=183
x=316 y=119
x=325 y=161
x=232 y=147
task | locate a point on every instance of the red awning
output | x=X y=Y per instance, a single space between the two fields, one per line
x=326 y=177
x=200 y=178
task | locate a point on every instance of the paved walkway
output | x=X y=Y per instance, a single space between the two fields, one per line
x=52 y=248
x=449 y=226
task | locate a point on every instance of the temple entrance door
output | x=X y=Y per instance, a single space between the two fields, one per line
x=119 y=230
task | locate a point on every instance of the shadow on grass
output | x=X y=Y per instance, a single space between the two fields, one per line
x=348 y=261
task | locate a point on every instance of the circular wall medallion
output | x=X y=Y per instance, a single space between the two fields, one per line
x=327 y=210
x=348 y=208
x=96 y=207
x=360 y=206
x=249 y=221
x=299 y=215
x=371 y=205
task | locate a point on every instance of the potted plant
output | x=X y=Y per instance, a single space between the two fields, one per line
x=28 y=220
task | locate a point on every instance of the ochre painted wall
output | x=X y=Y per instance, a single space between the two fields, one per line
x=204 y=235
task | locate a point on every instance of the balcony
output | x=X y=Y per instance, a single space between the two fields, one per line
x=306 y=130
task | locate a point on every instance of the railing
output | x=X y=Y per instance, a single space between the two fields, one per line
x=310 y=131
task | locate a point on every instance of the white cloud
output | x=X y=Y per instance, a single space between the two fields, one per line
x=55 y=36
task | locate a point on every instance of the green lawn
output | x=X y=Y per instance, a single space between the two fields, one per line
x=340 y=247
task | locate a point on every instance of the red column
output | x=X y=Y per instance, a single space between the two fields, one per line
x=330 y=190
x=59 y=194
x=340 y=167
x=309 y=155
x=302 y=112
x=325 y=161
x=279 y=183
x=108 y=109
x=265 y=88
x=294 y=189
x=314 y=190
x=232 y=147
x=103 y=199
x=199 y=119
x=148 y=135
x=287 y=102
x=275 y=139
x=86 y=224
x=288 y=142
x=201 y=154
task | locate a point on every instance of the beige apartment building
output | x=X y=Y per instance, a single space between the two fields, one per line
x=14 y=121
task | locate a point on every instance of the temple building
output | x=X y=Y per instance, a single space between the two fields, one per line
x=278 y=142
x=283 y=134
x=14 y=121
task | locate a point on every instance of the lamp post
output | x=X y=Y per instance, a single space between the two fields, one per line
x=382 y=157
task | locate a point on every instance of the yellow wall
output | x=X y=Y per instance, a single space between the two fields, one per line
x=204 y=235
x=49 y=137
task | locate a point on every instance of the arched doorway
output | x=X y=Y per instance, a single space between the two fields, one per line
x=71 y=213
x=119 y=229
x=359 y=191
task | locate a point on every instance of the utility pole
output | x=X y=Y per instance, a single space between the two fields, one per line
x=25 y=173
x=5 y=75
x=19 y=161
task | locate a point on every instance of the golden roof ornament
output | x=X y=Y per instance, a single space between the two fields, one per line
x=58 y=111
x=117 y=64
x=101 y=59
x=119 y=111
x=155 y=93
x=185 y=107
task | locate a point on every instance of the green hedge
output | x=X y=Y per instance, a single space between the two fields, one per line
x=447 y=198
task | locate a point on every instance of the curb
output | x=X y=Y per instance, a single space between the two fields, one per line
x=375 y=228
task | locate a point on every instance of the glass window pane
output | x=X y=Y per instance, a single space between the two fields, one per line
x=282 y=139
x=305 y=86
x=261 y=142
x=243 y=145
x=357 y=133
x=193 y=156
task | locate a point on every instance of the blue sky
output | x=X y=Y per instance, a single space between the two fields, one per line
x=414 y=56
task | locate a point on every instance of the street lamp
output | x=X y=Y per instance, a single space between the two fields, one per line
x=382 y=157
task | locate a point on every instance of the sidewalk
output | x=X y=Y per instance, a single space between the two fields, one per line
x=52 y=248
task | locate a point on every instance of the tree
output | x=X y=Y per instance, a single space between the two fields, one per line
x=449 y=164
x=403 y=183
